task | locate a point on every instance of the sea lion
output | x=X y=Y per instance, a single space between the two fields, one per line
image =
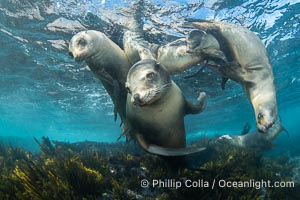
x=173 y=56
x=107 y=61
x=254 y=140
x=246 y=62
x=156 y=107
x=135 y=46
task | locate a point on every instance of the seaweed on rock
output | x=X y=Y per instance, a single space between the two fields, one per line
x=91 y=170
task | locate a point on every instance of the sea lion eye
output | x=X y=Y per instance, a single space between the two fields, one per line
x=150 y=76
x=82 y=42
x=259 y=116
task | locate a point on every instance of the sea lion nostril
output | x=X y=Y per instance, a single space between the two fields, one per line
x=136 y=97
x=71 y=54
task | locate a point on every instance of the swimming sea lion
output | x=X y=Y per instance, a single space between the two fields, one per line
x=107 y=61
x=156 y=107
x=254 y=140
x=248 y=64
x=173 y=56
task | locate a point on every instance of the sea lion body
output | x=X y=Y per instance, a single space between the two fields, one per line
x=248 y=64
x=156 y=106
x=155 y=121
x=254 y=140
x=106 y=60
x=175 y=58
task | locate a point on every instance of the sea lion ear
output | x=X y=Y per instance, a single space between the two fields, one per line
x=157 y=65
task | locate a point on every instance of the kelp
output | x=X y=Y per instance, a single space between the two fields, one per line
x=89 y=170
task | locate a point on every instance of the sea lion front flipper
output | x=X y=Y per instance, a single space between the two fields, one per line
x=126 y=131
x=116 y=87
x=196 y=73
x=191 y=108
x=233 y=70
x=246 y=129
x=215 y=55
x=223 y=83
x=283 y=129
x=113 y=89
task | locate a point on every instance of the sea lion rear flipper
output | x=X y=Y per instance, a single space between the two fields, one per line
x=141 y=140
x=162 y=151
x=191 y=108
x=154 y=149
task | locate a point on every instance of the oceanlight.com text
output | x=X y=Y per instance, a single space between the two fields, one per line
x=200 y=183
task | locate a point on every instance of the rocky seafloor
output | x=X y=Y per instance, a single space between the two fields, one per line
x=90 y=170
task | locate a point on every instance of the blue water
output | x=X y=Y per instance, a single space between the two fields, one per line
x=43 y=92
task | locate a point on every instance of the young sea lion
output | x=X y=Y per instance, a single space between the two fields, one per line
x=173 y=56
x=107 y=61
x=254 y=140
x=156 y=107
x=247 y=63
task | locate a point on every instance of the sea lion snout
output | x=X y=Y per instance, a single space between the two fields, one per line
x=266 y=118
x=136 y=99
x=71 y=54
x=194 y=40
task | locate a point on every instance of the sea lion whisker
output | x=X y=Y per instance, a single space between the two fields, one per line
x=149 y=95
x=165 y=86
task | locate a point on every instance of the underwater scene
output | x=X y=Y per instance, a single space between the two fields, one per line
x=138 y=99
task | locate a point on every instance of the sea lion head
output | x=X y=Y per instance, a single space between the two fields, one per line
x=266 y=116
x=147 y=82
x=82 y=45
x=194 y=40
